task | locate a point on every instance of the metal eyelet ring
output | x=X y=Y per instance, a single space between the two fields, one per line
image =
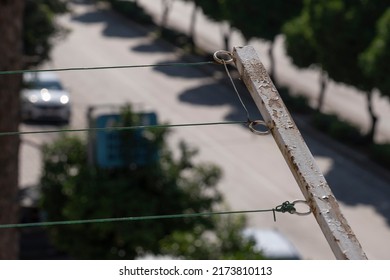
x=221 y=60
x=258 y=132
x=301 y=213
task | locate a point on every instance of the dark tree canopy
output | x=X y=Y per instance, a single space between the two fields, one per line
x=375 y=61
x=335 y=35
x=74 y=190
x=299 y=42
x=342 y=31
x=262 y=19
x=39 y=28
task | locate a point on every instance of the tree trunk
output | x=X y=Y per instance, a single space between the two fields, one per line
x=371 y=133
x=167 y=5
x=192 y=27
x=226 y=34
x=11 y=16
x=323 y=86
x=271 y=70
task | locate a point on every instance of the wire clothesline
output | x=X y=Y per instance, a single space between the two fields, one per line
x=248 y=121
x=181 y=64
x=285 y=207
x=117 y=128
x=178 y=64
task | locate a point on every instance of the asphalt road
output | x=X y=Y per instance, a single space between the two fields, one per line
x=255 y=174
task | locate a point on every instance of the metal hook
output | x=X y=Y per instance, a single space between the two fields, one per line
x=300 y=213
x=221 y=60
x=255 y=131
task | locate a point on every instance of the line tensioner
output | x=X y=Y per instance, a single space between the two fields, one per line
x=225 y=57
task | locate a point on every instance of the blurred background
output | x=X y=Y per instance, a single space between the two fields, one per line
x=328 y=59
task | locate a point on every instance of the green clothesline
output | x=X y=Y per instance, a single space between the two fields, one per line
x=181 y=64
x=283 y=208
x=10 y=133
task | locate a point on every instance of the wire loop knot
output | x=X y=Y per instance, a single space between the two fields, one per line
x=289 y=207
x=286 y=207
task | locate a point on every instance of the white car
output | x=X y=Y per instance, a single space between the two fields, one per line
x=44 y=98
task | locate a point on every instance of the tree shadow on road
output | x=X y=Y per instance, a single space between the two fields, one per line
x=190 y=71
x=351 y=183
x=152 y=47
x=218 y=94
x=114 y=25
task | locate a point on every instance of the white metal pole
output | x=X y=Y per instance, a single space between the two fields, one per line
x=309 y=177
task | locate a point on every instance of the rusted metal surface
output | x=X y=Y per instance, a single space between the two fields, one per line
x=309 y=177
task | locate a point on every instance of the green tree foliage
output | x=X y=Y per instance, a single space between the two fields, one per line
x=375 y=61
x=72 y=189
x=225 y=242
x=216 y=10
x=299 y=42
x=342 y=30
x=263 y=19
x=39 y=27
x=255 y=19
x=301 y=47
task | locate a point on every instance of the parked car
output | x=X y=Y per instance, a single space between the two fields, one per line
x=272 y=243
x=44 y=98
